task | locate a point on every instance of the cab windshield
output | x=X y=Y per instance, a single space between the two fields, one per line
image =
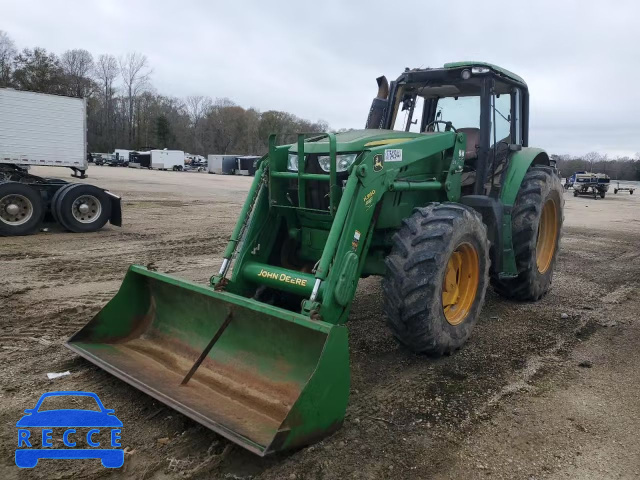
x=429 y=109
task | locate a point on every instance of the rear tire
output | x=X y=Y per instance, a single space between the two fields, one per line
x=602 y=194
x=538 y=211
x=73 y=201
x=419 y=278
x=21 y=209
x=54 y=201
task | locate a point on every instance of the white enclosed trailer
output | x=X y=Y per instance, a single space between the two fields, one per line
x=167 y=159
x=42 y=129
x=38 y=129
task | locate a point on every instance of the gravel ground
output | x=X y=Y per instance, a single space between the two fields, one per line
x=544 y=390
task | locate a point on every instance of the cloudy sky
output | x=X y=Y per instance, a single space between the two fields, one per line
x=319 y=60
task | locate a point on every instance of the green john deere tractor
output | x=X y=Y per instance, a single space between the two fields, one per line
x=440 y=195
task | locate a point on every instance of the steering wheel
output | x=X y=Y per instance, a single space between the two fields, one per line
x=448 y=126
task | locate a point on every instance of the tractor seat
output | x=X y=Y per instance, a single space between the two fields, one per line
x=473 y=140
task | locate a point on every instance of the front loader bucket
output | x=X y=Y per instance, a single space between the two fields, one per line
x=273 y=380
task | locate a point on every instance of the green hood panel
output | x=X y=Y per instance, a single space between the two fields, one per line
x=357 y=140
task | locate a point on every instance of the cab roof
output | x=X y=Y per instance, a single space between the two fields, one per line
x=495 y=68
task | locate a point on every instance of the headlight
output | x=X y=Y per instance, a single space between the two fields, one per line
x=293 y=162
x=343 y=162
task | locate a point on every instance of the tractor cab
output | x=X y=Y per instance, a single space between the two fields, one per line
x=487 y=103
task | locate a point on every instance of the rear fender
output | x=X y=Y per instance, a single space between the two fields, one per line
x=519 y=163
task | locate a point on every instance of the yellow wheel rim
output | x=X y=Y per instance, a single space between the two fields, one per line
x=460 y=283
x=547 y=236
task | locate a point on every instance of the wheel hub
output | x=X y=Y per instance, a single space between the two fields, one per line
x=15 y=209
x=547 y=236
x=460 y=283
x=12 y=209
x=86 y=209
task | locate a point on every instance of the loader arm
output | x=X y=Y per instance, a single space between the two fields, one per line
x=354 y=208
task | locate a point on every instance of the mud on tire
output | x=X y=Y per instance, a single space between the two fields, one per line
x=416 y=268
x=539 y=186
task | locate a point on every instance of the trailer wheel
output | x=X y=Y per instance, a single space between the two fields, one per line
x=21 y=209
x=437 y=276
x=83 y=208
x=536 y=221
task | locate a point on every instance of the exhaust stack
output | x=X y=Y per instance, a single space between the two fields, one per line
x=379 y=105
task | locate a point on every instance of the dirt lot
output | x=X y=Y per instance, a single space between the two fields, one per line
x=546 y=390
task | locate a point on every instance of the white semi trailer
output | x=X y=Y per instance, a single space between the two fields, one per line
x=38 y=129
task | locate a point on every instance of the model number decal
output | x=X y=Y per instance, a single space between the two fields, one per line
x=368 y=199
x=393 y=155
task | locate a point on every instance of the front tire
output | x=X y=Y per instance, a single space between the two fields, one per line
x=437 y=276
x=536 y=222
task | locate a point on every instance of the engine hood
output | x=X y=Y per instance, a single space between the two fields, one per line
x=358 y=140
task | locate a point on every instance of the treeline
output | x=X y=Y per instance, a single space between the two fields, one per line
x=125 y=111
x=620 y=168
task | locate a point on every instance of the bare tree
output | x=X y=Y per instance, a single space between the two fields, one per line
x=198 y=107
x=591 y=158
x=7 y=53
x=106 y=70
x=78 y=66
x=135 y=72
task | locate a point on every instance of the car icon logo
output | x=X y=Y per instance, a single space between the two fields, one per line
x=80 y=426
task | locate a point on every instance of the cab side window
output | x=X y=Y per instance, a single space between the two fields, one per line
x=410 y=117
x=502 y=131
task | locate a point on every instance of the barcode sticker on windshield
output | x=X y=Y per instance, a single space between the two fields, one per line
x=393 y=155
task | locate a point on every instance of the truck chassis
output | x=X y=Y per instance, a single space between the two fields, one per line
x=26 y=200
